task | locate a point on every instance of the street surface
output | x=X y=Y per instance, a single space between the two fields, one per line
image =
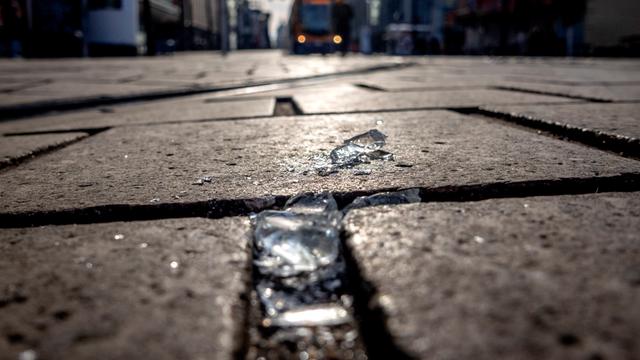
x=127 y=186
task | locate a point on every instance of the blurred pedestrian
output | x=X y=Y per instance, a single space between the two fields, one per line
x=342 y=14
x=11 y=18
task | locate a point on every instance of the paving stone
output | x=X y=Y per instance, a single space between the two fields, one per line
x=13 y=148
x=364 y=100
x=431 y=78
x=79 y=80
x=392 y=85
x=613 y=119
x=195 y=108
x=253 y=158
x=550 y=70
x=78 y=292
x=529 y=278
x=64 y=92
x=336 y=88
x=600 y=92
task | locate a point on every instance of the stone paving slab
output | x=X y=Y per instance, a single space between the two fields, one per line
x=254 y=158
x=530 y=278
x=13 y=148
x=420 y=77
x=78 y=292
x=612 y=119
x=188 y=109
x=552 y=70
x=337 y=88
x=365 y=100
x=389 y=84
x=599 y=92
x=61 y=91
x=81 y=79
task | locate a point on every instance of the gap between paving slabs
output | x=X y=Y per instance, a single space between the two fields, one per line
x=306 y=302
x=619 y=145
x=221 y=208
x=12 y=161
x=360 y=149
x=550 y=93
x=21 y=111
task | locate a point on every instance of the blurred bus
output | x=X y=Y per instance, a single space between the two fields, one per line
x=312 y=27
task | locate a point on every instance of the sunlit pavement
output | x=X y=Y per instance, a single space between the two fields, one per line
x=127 y=186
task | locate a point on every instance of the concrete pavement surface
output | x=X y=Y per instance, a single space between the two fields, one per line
x=621 y=92
x=17 y=148
x=614 y=120
x=143 y=113
x=530 y=278
x=159 y=289
x=253 y=159
x=128 y=184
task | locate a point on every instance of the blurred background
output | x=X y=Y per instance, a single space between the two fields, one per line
x=77 y=28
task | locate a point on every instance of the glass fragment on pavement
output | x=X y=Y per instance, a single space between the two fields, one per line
x=360 y=149
x=297 y=254
x=385 y=198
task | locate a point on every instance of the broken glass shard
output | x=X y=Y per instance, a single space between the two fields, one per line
x=313 y=315
x=380 y=155
x=280 y=294
x=371 y=140
x=300 y=239
x=311 y=204
x=385 y=198
x=359 y=149
x=297 y=255
x=362 y=172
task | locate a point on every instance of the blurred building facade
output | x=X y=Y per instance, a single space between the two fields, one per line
x=64 y=28
x=408 y=26
x=49 y=28
x=506 y=27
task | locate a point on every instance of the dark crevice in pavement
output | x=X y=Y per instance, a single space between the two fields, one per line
x=576 y=83
x=627 y=182
x=90 y=131
x=15 y=161
x=336 y=285
x=437 y=88
x=242 y=335
x=464 y=110
x=11 y=112
x=214 y=209
x=384 y=111
x=619 y=145
x=286 y=106
x=370 y=87
x=550 y=93
x=370 y=317
x=269 y=342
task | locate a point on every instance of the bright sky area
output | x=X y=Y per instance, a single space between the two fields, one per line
x=279 y=10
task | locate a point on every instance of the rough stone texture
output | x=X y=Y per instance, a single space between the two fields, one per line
x=364 y=100
x=79 y=79
x=189 y=109
x=612 y=119
x=438 y=77
x=600 y=92
x=569 y=71
x=13 y=148
x=253 y=158
x=64 y=90
x=76 y=292
x=529 y=278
